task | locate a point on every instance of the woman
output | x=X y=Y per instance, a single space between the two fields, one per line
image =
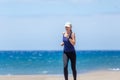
x=69 y=50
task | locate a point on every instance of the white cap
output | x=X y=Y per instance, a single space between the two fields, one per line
x=68 y=24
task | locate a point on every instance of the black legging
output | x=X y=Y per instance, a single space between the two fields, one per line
x=72 y=57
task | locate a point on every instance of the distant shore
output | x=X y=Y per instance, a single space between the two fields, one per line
x=96 y=75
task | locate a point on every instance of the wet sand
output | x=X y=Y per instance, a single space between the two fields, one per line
x=98 y=75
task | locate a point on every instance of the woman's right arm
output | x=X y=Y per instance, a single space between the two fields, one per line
x=62 y=44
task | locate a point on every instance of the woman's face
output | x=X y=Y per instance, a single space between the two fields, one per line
x=68 y=28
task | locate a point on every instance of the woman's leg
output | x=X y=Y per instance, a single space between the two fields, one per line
x=73 y=64
x=65 y=61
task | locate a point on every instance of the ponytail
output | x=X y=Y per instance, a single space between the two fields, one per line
x=71 y=30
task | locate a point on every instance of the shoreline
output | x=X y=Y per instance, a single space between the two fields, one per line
x=94 y=75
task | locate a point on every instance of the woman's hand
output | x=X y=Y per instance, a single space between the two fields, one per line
x=62 y=44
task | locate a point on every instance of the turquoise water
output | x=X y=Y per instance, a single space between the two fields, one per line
x=50 y=62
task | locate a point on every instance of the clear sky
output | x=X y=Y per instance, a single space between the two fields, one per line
x=38 y=24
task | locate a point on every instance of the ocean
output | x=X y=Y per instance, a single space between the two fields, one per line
x=51 y=62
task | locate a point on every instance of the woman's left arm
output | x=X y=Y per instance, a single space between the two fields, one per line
x=72 y=40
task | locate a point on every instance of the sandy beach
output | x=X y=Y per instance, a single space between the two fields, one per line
x=98 y=75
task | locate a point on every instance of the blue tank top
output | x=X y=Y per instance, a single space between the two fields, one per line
x=68 y=47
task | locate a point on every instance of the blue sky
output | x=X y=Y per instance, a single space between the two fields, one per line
x=38 y=24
